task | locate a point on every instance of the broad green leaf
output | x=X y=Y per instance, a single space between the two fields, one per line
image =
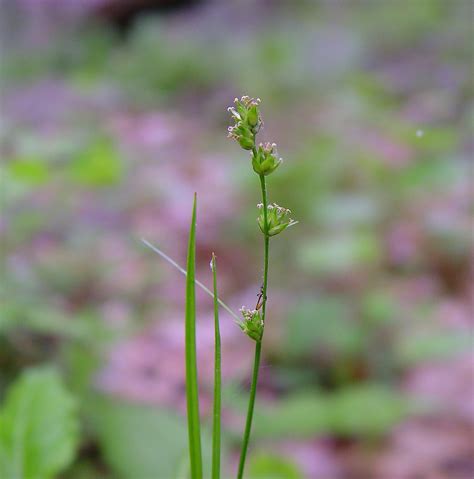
x=322 y=324
x=271 y=466
x=363 y=411
x=29 y=170
x=38 y=427
x=349 y=211
x=339 y=254
x=299 y=415
x=143 y=442
x=97 y=165
x=368 y=410
x=378 y=307
x=428 y=174
x=416 y=348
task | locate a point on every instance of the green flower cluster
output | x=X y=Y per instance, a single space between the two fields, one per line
x=247 y=120
x=277 y=219
x=265 y=160
x=252 y=325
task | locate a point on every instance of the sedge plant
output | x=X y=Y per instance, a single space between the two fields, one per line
x=272 y=219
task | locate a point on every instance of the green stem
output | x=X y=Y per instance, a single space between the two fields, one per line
x=258 y=345
x=248 y=423
x=216 y=428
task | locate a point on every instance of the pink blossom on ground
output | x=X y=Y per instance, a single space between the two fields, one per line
x=448 y=385
x=403 y=243
x=149 y=367
x=145 y=133
x=430 y=449
x=385 y=149
x=316 y=459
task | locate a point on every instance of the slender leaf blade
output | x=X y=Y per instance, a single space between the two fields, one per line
x=192 y=393
x=216 y=426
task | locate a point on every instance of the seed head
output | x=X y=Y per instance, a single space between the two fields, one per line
x=247 y=121
x=252 y=325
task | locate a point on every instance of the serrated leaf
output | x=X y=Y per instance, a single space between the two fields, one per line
x=38 y=427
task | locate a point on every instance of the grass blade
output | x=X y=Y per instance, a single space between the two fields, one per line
x=172 y=262
x=192 y=394
x=216 y=426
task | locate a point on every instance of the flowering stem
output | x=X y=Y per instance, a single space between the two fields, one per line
x=258 y=344
x=248 y=424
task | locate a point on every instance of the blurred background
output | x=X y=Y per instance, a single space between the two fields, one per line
x=114 y=113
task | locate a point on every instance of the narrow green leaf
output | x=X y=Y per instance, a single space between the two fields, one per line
x=192 y=394
x=216 y=427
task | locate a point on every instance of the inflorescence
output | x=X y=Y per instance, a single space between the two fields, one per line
x=252 y=325
x=265 y=160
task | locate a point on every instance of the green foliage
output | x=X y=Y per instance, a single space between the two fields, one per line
x=295 y=416
x=415 y=348
x=339 y=254
x=38 y=427
x=97 y=165
x=428 y=174
x=154 y=64
x=271 y=466
x=363 y=411
x=378 y=308
x=29 y=170
x=141 y=442
x=82 y=60
x=382 y=18
x=347 y=211
x=367 y=410
x=324 y=325
x=40 y=318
